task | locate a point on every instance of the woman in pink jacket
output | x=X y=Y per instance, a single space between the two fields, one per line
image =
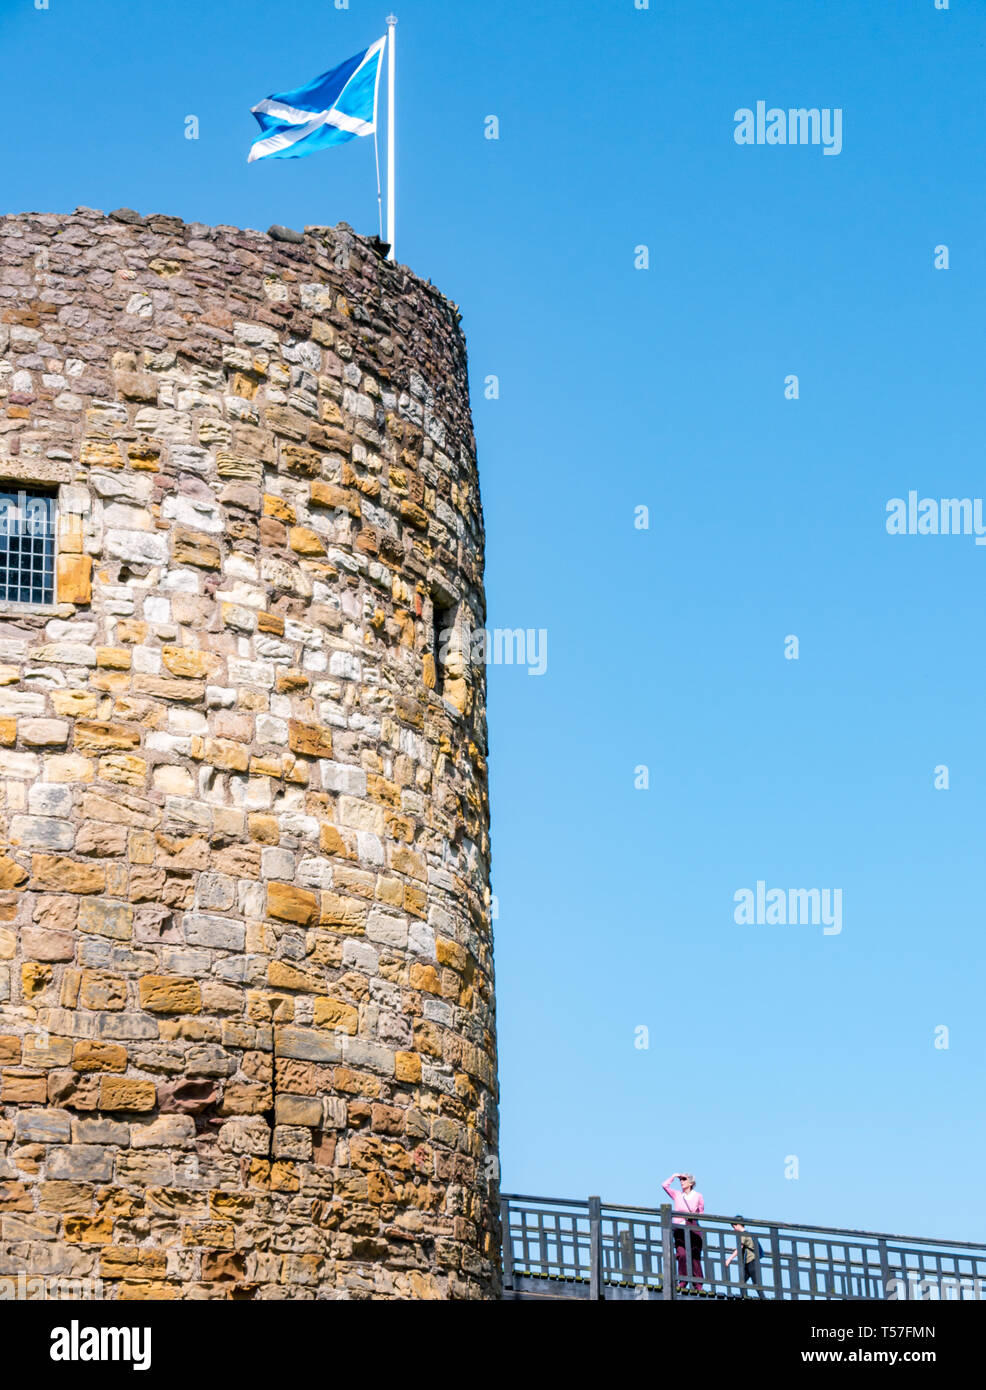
x=687 y=1200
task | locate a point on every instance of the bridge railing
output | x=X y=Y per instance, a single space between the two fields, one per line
x=591 y=1248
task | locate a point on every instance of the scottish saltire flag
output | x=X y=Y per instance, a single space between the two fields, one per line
x=337 y=106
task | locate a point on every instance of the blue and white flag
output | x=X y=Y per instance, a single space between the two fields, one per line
x=337 y=106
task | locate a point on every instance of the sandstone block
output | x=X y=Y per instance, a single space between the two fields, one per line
x=44 y=1050
x=299 y=1110
x=103 y=991
x=281 y=974
x=310 y=740
x=44 y=1127
x=104 y=917
x=305 y=542
x=290 y=904
x=335 y=498
x=221 y=753
x=94 y=737
x=44 y=733
x=74 y=703
x=173 y=994
x=195 y=548
x=407 y=1066
x=245 y=1135
x=114 y=658
x=166 y=1132
x=100 y=838
x=12 y=874
x=69 y=767
x=342 y=914
x=189 y=663
x=334 y=1013
x=96 y=1056
x=132 y=1262
x=41 y=832
x=74 y=576
x=221 y=933
x=80 y=1163
x=126 y=1093
x=307 y=1045
x=292 y=1141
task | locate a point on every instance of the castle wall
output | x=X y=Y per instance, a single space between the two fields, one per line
x=246 y=993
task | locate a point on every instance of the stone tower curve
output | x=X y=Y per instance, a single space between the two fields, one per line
x=247 y=1039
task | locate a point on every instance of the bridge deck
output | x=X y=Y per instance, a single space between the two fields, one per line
x=558 y=1249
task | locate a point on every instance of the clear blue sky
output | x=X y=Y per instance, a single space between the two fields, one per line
x=619 y=388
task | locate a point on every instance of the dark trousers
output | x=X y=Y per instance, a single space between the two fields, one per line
x=751 y=1275
x=681 y=1253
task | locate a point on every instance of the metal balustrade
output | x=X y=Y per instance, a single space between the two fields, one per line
x=585 y=1249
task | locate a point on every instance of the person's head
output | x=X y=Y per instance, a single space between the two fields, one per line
x=687 y=1181
x=738 y=1224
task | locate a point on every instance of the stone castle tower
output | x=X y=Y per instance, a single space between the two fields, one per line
x=247 y=1040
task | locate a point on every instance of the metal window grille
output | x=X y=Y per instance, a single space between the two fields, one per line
x=27 y=546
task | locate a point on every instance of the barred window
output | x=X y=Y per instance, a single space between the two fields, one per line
x=27 y=545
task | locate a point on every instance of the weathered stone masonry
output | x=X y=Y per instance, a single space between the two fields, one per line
x=246 y=990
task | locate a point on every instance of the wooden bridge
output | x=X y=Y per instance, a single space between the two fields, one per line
x=557 y=1249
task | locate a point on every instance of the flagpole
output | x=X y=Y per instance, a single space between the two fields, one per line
x=391 y=26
